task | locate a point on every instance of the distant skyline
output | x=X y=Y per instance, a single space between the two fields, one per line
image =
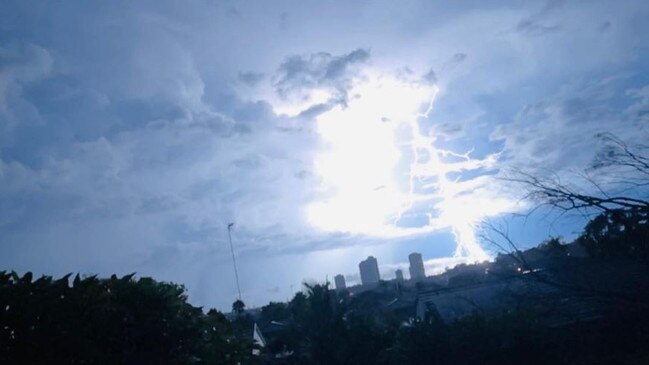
x=415 y=267
x=133 y=133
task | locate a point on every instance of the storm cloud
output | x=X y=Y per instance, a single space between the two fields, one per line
x=132 y=133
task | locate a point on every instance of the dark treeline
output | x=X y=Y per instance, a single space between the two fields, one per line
x=140 y=321
x=602 y=300
x=110 y=321
x=512 y=337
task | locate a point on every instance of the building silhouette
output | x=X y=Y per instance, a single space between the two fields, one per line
x=417 y=271
x=369 y=271
x=399 y=275
x=340 y=282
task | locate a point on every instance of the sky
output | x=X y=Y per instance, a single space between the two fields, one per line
x=133 y=133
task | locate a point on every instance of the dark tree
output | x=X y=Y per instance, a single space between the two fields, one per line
x=617 y=179
x=618 y=233
x=238 y=306
x=109 y=321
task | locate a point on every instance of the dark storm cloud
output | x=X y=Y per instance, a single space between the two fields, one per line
x=131 y=133
x=301 y=73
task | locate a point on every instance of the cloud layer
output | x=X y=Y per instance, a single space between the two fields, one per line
x=132 y=133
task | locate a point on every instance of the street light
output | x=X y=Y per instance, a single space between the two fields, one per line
x=234 y=261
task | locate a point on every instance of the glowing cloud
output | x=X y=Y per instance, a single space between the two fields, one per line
x=367 y=188
x=361 y=158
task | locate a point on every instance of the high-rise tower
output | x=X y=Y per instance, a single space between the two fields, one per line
x=340 y=282
x=399 y=275
x=369 y=271
x=417 y=271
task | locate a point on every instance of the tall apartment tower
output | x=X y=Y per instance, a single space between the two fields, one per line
x=399 y=275
x=369 y=271
x=340 y=282
x=417 y=271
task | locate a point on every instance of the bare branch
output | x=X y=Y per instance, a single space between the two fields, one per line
x=547 y=278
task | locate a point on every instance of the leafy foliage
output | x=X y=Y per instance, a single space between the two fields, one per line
x=618 y=233
x=337 y=332
x=109 y=321
x=238 y=306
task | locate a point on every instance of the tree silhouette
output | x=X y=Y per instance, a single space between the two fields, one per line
x=619 y=233
x=617 y=180
x=238 y=306
x=109 y=321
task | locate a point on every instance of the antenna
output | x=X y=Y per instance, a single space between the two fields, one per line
x=234 y=261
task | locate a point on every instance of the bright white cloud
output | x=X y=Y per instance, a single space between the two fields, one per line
x=366 y=184
x=361 y=154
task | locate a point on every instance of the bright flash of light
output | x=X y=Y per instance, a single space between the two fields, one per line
x=367 y=186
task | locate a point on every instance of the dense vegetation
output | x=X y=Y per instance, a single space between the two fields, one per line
x=341 y=334
x=329 y=327
x=109 y=321
x=140 y=321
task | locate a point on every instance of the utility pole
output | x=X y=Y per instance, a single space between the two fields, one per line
x=234 y=261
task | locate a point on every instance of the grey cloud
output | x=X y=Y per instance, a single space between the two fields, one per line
x=254 y=112
x=23 y=63
x=251 y=78
x=534 y=24
x=638 y=110
x=298 y=74
x=560 y=133
x=303 y=174
x=20 y=65
x=430 y=77
x=449 y=130
x=339 y=65
x=458 y=57
x=129 y=152
x=233 y=12
x=317 y=109
x=536 y=29
x=180 y=172
x=248 y=162
x=604 y=26
x=284 y=20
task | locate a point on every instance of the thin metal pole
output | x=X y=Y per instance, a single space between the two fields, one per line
x=234 y=261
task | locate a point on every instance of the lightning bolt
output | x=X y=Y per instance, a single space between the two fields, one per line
x=428 y=163
x=374 y=201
